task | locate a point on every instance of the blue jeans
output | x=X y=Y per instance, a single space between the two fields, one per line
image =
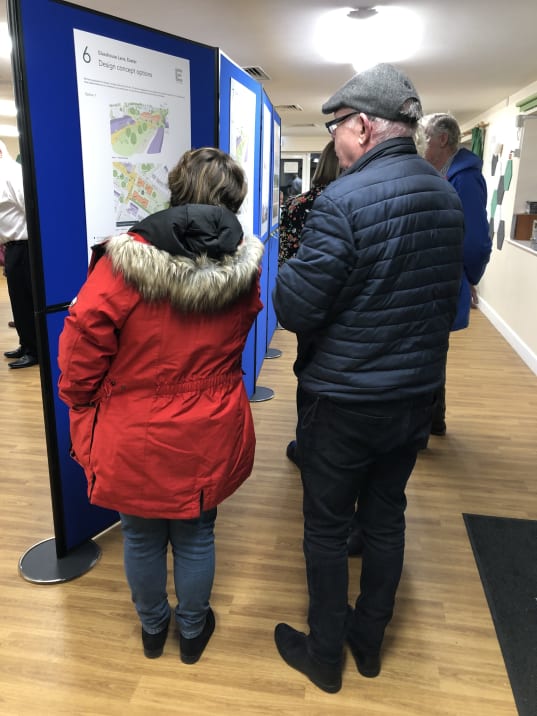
x=145 y=545
x=348 y=450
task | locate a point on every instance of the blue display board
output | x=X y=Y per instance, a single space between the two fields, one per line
x=261 y=322
x=52 y=160
x=274 y=220
x=240 y=135
x=273 y=248
x=239 y=94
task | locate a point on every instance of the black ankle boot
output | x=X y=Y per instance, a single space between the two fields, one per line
x=293 y=648
x=290 y=451
x=367 y=663
x=154 y=643
x=192 y=649
x=367 y=660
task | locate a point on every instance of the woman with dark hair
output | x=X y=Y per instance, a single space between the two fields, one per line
x=150 y=360
x=296 y=209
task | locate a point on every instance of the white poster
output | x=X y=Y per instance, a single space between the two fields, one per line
x=134 y=106
x=242 y=106
x=265 y=177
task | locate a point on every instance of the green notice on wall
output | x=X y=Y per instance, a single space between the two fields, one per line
x=494 y=203
x=508 y=174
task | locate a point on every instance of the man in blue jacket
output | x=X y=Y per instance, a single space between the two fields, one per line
x=371 y=294
x=463 y=170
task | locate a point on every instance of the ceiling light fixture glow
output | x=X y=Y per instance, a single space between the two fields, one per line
x=7 y=108
x=390 y=34
x=5 y=41
x=8 y=130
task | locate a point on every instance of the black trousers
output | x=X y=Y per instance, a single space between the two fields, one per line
x=346 y=449
x=19 y=285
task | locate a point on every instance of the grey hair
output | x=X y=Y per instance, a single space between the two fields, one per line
x=389 y=129
x=445 y=123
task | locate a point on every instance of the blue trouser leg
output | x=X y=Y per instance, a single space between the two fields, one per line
x=145 y=548
x=193 y=568
x=145 y=555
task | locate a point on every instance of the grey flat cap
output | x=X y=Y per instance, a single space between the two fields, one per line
x=379 y=91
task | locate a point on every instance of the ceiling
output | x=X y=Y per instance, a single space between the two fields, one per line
x=474 y=54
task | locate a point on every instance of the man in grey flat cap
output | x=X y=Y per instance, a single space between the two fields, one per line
x=371 y=295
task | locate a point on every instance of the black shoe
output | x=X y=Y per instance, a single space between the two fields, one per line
x=11 y=324
x=17 y=353
x=293 y=648
x=192 y=649
x=24 y=361
x=367 y=663
x=438 y=429
x=291 y=452
x=154 y=643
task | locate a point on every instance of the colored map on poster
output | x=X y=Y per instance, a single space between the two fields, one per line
x=139 y=190
x=137 y=129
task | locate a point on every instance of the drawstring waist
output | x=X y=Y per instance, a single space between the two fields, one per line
x=112 y=386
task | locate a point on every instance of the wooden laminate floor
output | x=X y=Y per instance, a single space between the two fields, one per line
x=74 y=648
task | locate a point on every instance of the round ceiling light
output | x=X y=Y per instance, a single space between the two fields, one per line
x=5 y=41
x=383 y=34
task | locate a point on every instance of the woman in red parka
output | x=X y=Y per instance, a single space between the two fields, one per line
x=150 y=360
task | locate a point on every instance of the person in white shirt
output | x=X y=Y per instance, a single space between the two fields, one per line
x=14 y=235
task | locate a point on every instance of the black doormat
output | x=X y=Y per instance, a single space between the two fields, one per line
x=505 y=551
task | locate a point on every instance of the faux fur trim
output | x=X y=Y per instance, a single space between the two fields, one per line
x=202 y=285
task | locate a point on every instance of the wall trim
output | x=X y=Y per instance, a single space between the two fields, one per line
x=514 y=340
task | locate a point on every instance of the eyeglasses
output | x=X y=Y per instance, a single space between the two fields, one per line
x=333 y=124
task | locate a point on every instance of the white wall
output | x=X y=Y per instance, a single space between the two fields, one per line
x=508 y=290
x=527 y=176
x=298 y=145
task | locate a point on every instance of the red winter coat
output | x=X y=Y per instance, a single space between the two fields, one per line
x=160 y=419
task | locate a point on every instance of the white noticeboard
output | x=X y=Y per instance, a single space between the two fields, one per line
x=134 y=106
x=242 y=108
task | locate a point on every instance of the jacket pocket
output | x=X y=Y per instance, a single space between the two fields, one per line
x=82 y=425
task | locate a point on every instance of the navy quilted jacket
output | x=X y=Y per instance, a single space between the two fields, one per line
x=372 y=291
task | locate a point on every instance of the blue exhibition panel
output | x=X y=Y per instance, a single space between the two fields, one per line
x=53 y=153
x=248 y=367
x=50 y=121
x=261 y=322
x=229 y=109
x=273 y=246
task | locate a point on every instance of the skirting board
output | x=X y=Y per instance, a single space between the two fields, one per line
x=516 y=343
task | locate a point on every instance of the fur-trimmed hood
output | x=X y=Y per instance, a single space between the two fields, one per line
x=200 y=284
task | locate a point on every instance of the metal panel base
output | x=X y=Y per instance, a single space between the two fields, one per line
x=273 y=353
x=41 y=565
x=262 y=394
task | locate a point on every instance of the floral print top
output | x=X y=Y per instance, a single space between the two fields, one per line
x=293 y=216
